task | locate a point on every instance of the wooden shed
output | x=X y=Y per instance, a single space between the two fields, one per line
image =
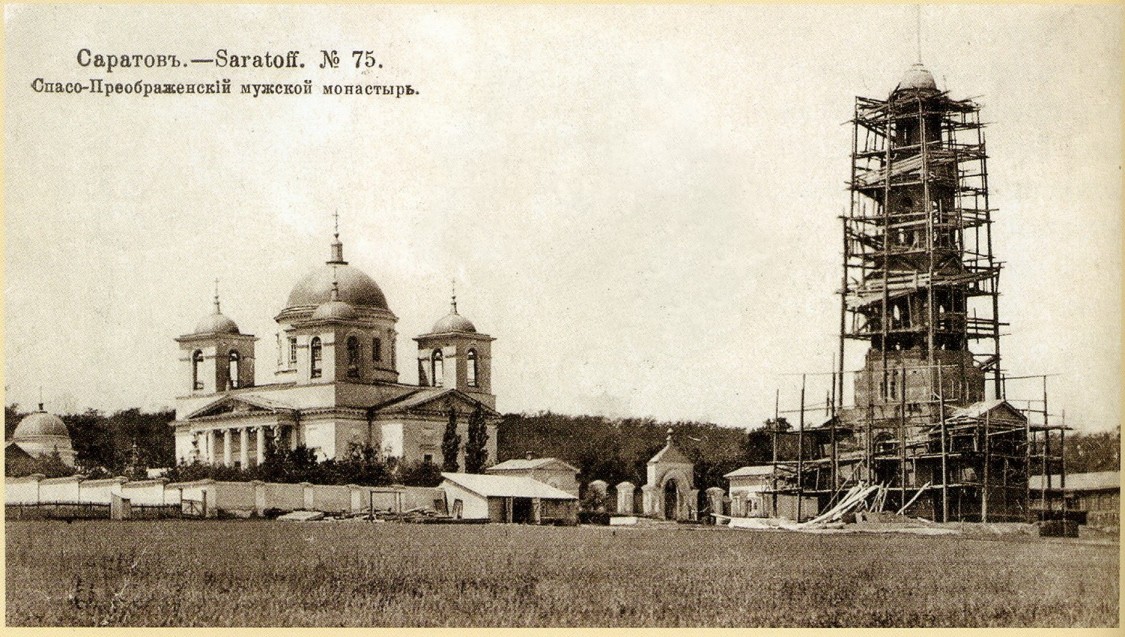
x=515 y=499
x=552 y=471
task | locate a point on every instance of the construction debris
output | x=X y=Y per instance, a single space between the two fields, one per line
x=302 y=516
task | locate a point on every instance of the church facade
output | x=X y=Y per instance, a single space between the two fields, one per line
x=337 y=383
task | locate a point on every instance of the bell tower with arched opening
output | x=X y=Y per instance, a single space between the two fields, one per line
x=454 y=354
x=216 y=357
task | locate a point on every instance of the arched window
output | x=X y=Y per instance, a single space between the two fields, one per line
x=437 y=369
x=314 y=352
x=376 y=350
x=353 y=357
x=232 y=367
x=196 y=363
x=472 y=367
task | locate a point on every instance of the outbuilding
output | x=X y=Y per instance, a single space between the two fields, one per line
x=517 y=499
x=747 y=489
x=1096 y=494
x=550 y=471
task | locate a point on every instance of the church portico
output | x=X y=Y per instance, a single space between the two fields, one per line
x=215 y=440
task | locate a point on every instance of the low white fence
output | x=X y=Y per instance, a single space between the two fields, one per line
x=209 y=498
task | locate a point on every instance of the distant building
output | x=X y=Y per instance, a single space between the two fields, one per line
x=1097 y=493
x=747 y=487
x=39 y=434
x=550 y=471
x=336 y=379
x=499 y=498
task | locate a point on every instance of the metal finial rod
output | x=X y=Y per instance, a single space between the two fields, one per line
x=216 y=296
x=918 y=31
x=40 y=398
x=336 y=222
x=453 y=301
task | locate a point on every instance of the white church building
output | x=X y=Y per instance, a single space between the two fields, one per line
x=336 y=382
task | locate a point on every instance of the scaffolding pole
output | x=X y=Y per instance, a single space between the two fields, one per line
x=801 y=451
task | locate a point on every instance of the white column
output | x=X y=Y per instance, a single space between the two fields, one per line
x=226 y=447
x=261 y=440
x=293 y=437
x=244 y=447
x=208 y=449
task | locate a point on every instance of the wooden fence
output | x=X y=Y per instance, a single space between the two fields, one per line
x=88 y=511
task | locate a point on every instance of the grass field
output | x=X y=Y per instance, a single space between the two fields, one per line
x=261 y=573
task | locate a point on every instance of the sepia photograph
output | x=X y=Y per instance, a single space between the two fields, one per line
x=562 y=316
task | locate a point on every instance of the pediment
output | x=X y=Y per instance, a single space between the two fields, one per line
x=237 y=406
x=436 y=401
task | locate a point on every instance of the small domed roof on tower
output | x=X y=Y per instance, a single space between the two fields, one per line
x=917 y=77
x=353 y=285
x=334 y=309
x=453 y=322
x=39 y=423
x=216 y=322
x=338 y=310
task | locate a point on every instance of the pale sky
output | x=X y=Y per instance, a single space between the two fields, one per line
x=639 y=203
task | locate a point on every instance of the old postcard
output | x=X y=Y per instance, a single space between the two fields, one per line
x=562 y=316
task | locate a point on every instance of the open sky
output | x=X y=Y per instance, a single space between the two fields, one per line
x=640 y=203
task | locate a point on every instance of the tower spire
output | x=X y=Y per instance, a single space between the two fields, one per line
x=40 y=398
x=918 y=30
x=453 y=301
x=217 y=296
x=337 y=246
x=335 y=285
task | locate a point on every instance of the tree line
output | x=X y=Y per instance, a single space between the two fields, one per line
x=129 y=441
x=360 y=464
x=122 y=443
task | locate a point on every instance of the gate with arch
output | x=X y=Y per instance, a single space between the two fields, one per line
x=670 y=492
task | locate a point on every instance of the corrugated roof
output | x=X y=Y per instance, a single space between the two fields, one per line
x=756 y=470
x=523 y=464
x=492 y=486
x=1094 y=481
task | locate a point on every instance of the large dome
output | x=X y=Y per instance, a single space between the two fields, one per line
x=38 y=424
x=356 y=288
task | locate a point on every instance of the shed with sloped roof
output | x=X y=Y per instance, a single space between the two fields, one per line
x=552 y=471
x=515 y=499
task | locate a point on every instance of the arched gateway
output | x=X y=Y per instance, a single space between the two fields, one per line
x=670 y=491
